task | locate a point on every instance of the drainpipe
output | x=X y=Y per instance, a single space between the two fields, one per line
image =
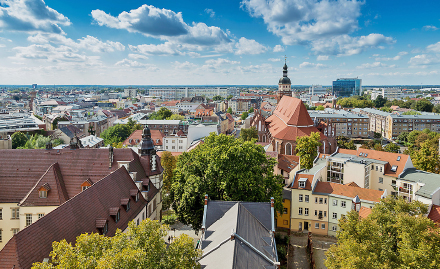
x=272 y=216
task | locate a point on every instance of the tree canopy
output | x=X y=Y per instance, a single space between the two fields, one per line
x=244 y=115
x=168 y=162
x=392 y=147
x=116 y=134
x=423 y=149
x=140 y=246
x=355 y=101
x=229 y=110
x=217 y=98
x=380 y=101
x=38 y=141
x=249 y=134
x=226 y=169
x=395 y=235
x=162 y=114
x=345 y=142
x=19 y=139
x=307 y=149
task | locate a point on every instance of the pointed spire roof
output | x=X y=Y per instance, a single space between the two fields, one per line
x=292 y=111
x=356 y=200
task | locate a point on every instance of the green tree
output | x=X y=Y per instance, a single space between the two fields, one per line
x=436 y=109
x=229 y=97
x=244 y=115
x=395 y=235
x=140 y=246
x=307 y=149
x=162 y=114
x=412 y=136
x=380 y=101
x=403 y=138
x=377 y=135
x=229 y=110
x=249 y=134
x=168 y=162
x=217 y=98
x=36 y=141
x=320 y=107
x=19 y=139
x=426 y=158
x=392 y=147
x=176 y=117
x=226 y=169
x=116 y=134
x=251 y=110
x=424 y=105
x=133 y=125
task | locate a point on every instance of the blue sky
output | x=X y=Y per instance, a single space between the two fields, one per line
x=218 y=42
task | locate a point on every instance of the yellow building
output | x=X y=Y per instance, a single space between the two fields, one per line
x=283 y=220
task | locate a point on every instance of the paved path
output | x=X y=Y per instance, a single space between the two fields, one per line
x=300 y=257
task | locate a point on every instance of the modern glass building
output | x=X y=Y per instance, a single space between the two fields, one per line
x=346 y=87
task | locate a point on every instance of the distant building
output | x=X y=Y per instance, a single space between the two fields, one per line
x=317 y=90
x=177 y=93
x=130 y=93
x=34 y=86
x=346 y=87
x=335 y=123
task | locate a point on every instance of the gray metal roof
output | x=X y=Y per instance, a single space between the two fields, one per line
x=356 y=159
x=251 y=221
x=431 y=181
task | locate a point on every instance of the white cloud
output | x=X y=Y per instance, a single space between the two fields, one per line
x=429 y=28
x=311 y=65
x=50 y=53
x=166 y=48
x=434 y=47
x=423 y=60
x=30 y=16
x=263 y=68
x=137 y=56
x=373 y=65
x=210 y=12
x=395 y=58
x=185 y=65
x=274 y=59
x=346 y=45
x=322 y=58
x=296 y=21
x=249 y=46
x=278 y=48
x=135 y=64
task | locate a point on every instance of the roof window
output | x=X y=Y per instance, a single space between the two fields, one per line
x=394 y=168
x=360 y=154
x=114 y=212
x=398 y=158
x=366 y=154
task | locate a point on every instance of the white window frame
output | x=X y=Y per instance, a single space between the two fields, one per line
x=335 y=202
x=300 y=198
x=306 y=198
x=317 y=225
x=300 y=211
x=306 y=211
x=335 y=215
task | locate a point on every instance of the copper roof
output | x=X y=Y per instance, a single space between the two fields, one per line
x=348 y=191
x=81 y=214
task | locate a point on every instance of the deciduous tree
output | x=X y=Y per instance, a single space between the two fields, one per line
x=392 y=147
x=307 y=149
x=249 y=134
x=19 y=139
x=116 y=134
x=168 y=162
x=226 y=169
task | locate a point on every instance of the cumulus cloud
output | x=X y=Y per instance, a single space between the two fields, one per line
x=88 y=43
x=164 y=24
x=166 y=48
x=135 y=64
x=434 y=47
x=210 y=12
x=49 y=53
x=263 y=68
x=185 y=65
x=346 y=45
x=423 y=60
x=374 y=65
x=395 y=58
x=249 y=46
x=137 y=56
x=311 y=65
x=429 y=28
x=322 y=58
x=30 y=16
x=278 y=48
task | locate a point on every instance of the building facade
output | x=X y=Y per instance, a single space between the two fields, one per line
x=346 y=87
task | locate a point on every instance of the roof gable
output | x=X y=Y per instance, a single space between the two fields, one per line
x=292 y=111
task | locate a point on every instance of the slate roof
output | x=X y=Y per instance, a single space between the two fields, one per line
x=347 y=191
x=251 y=221
x=81 y=214
x=24 y=171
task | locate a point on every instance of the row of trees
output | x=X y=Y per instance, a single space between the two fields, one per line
x=140 y=246
x=395 y=235
x=35 y=141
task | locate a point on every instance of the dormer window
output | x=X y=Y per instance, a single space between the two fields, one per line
x=115 y=213
x=137 y=197
x=102 y=225
x=135 y=194
x=42 y=191
x=302 y=182
x=126 y=203
x=86 y=184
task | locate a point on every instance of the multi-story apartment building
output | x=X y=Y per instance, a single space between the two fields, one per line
x=177 y=93
x=242 y=104
x=346 y=87
x=341 y=123
x=130 y=93
x=167 y=127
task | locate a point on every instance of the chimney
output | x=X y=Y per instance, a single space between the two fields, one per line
x=204 y=214
x=272 y=215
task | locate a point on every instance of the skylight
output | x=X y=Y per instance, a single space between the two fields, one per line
x=360 y=154
x=366 y=154
x=398 y=158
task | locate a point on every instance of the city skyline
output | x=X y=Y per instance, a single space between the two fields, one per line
x=218 y=43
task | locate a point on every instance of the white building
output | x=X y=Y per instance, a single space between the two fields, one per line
x=130 y=93
x=175 y=143
x=176 y=93
x=317 y=90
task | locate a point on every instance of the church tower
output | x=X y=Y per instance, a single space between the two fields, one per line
x=284 y=85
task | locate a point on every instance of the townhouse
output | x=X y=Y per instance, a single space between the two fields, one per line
x=341 y=123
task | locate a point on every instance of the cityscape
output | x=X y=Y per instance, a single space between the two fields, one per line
x=237 y=134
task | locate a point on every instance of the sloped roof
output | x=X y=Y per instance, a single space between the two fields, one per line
x=364 y=212
x=352 y=184
x=69 y=220
x=348 y=191
x=309 y=179
x=156 y=136
x=292 y=111
x=287 y=162
x=71 y=130
x=251 y=221
x=434 y=214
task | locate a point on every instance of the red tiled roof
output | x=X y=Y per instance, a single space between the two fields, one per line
x=272 y=154
x=81 y=214
x=348 y=191
x=308 y=182
x=156 y=135
x=389 y=157
x=352 y=184
x=287 y=162
x=434 y=214
x=364 y=212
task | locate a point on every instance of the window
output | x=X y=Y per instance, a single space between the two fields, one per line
x=380 y=189
x=306 y=198
x=325 y=200
x=137 y=222
x=302 y=184
x=306 y=211
x=325 y=213
x=1 y=235
x=118 y=216
x=316 y=200
x=321 y=200
x=15 y=213
x=394 y=168
x=40 y=215
x=343 y=203
x=323 y=226
x=300 y=198
x=335 y=202
x=377 y=167
x=28 y=219
x=105 y=229
x=1 y=214
x=137 y=197
x=285 y=210
x=316 y=212
x=381 y=180
x=372 y=167
x=43 y=194
x=316 y=225
x=15 y=231
x=335 y=215
x=128 y=206
x=320 y=214
x=334 y=228
x=380 y=169
x=398 y=158
x=83 y=188
x=300 y=211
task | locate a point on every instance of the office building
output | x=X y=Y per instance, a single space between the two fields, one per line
x=346 y=87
